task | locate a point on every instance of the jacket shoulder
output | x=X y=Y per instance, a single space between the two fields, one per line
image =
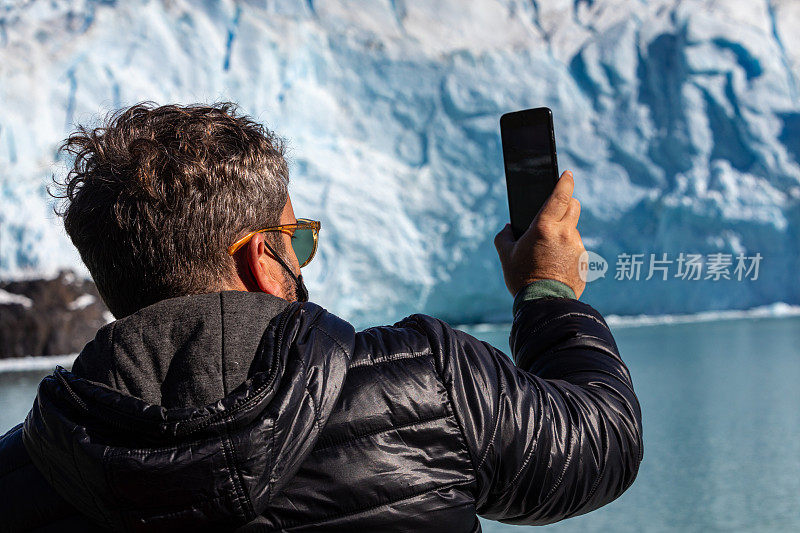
x=392 y=454
x=406 y=339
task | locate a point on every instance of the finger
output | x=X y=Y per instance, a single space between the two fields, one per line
x=557 y=203
x=573 y=213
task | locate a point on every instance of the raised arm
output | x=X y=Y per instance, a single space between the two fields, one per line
x=559 y=434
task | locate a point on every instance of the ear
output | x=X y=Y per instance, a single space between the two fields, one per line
x=263 y=267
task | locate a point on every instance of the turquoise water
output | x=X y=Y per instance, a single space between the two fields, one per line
x=721 y=406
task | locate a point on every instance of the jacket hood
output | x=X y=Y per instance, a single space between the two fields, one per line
x=195 y=410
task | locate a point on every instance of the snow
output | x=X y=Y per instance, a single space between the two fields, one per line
x=681 y=121
x=7 y=298
x=81 y=302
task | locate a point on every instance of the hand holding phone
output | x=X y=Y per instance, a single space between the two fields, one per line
x=550 y=248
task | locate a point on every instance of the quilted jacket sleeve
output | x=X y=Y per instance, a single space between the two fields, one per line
x=556 y=435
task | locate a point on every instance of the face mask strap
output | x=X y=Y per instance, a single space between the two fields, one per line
x=300 y=287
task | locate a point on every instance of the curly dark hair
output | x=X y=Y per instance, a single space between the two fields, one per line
x=157 y=194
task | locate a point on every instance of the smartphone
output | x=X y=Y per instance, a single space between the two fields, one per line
x=529 y=155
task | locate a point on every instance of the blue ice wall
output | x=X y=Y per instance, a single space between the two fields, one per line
x=679 y=120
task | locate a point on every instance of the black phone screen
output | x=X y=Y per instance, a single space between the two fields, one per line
x=529 y=153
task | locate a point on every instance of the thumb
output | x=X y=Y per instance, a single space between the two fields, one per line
x=504 y=240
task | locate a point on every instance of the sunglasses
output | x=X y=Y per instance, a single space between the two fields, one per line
x=304 y=234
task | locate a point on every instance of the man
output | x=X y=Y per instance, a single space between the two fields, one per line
x=221 y=399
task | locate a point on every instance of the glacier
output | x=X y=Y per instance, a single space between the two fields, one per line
x=680 y=120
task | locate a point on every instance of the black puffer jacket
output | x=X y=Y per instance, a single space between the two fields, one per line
x=239 y=410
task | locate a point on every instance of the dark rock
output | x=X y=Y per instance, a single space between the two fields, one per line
x=49 y=316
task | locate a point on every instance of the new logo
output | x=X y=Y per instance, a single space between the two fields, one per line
x=591 y=266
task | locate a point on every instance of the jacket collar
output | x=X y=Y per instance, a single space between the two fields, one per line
x=180 y=352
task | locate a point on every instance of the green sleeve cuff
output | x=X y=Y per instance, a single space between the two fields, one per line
x=542 y=288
